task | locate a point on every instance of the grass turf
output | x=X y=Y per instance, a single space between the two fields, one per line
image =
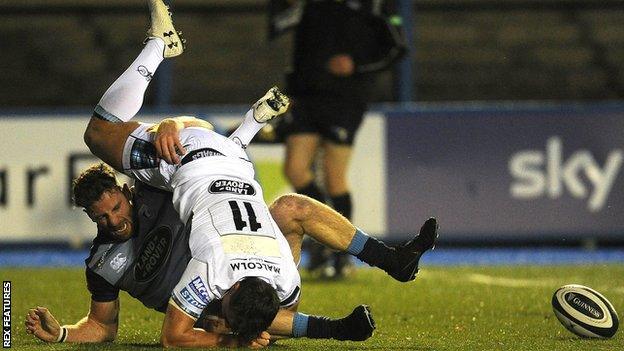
x=458 y=308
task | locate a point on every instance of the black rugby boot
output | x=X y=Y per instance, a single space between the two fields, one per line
x=358 y=326
x=408 y=255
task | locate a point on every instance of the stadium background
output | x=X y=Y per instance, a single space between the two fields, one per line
x=505 y=121
x=479 y=73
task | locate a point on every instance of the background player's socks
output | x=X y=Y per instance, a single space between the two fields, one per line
x=372 y=251
x=247 y=130
x=342 y=204
x=124 y=97
x=312 y=190
x=319 y=254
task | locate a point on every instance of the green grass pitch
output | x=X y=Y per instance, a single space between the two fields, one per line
x=446 y=308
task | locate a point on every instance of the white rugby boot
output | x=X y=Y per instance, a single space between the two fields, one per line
x=162 y=27
x=271 y=105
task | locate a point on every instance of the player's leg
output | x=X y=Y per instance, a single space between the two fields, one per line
x=339 y=128
x=300 y=153
x=302 y=139
x=124 y=97
x=105 y=135
x=336 y=162
x=337 y=158
x=357 y=326
x=298 y=215
x=271 y=105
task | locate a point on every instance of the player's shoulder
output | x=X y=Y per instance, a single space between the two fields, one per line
x=102 y=241
x=142 y=190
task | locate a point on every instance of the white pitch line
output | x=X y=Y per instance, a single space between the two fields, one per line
x=510 y=282
x=527 y=283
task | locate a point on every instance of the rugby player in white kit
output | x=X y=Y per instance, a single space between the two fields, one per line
x=240 y=257
x=239 y=254
x=236 y=246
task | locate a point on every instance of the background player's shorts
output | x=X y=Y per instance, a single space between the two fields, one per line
x=336 y=120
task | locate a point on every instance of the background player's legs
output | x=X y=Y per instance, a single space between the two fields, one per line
x=336 y=165
x=124 y=97
x=300 y=153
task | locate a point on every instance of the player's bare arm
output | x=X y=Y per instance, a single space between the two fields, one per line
x=106 y=139
x=100 y=324
x=178 y=331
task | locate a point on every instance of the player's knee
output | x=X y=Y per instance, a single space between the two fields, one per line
x=297 y=176
x=291 y=206
x=336 y=185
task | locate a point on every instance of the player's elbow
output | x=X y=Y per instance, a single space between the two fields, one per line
x=168 y=341
x=165 y=342
x=109 y=337
x=90 y=134
x=170 y=338
x=97 y=132
x=108 y=333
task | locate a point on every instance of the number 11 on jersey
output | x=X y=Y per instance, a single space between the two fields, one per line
x=237 y=214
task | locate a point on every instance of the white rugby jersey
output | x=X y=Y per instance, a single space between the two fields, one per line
x=139 y=158
x=232 y=231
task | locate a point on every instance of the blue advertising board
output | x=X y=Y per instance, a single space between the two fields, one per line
x=507 y=175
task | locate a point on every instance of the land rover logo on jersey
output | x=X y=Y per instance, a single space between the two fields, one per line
x=118 y=262
x=153 y=254
x=231 y=187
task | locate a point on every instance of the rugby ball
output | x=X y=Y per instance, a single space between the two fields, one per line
x=584 y=311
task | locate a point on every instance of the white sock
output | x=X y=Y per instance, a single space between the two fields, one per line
x=124 y=97
x=247 y=130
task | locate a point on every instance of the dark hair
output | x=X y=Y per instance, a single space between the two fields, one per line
x=92 y=183
x=252 y=307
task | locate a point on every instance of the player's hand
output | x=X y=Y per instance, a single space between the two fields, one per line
x=341 y=65
x=167 y=140
x=42 y=324
x=261 y=341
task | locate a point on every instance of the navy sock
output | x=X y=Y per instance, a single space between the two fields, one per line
x=323 y=328
x=342 y=204
x=312 y=190
x=373 y=251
